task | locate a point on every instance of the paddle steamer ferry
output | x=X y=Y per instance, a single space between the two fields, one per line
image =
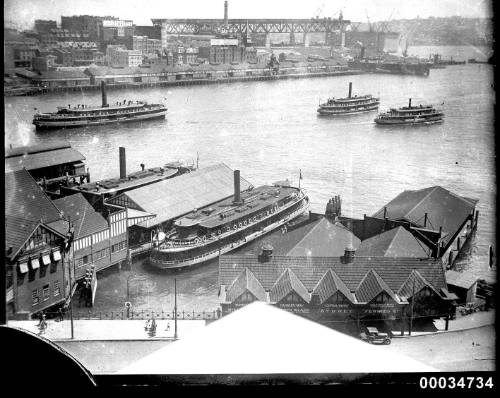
x=409 y=115
x=82 y=115
x=349 y=105
x=206 y=233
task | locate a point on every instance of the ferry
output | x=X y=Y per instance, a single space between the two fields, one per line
x=410 y=115
x=208 y=232
x=349 y=105
x=82 y=115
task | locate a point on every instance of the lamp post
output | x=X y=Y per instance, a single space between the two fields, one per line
x=128 y=286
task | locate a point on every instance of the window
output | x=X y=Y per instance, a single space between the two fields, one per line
x=119 y=246
x=34 y=297
x=101 y=254
x=57 y=289
x=80 y=262
x=46 y=292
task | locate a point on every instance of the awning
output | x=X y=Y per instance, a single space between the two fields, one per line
x=35 y=263
x=23 y=267
x=56 y=255
x=46 y=259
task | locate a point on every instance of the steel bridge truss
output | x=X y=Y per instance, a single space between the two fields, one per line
x=250 y=26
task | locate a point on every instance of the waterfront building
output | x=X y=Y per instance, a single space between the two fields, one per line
x=224 y=51
x=61 y=78
x=97 y=243
x=37 y=278
x=118 y=56
x=342 y=292
x=43 y=63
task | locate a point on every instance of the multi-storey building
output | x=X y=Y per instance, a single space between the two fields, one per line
x=117 y=56
x=44 y=26
x=116 y=28
x=84 y=23
x=44 y=62
x=224 y=51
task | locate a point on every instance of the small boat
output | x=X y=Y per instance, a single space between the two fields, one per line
x=206 y=233
x=349 y=105
x=409 y=115
x=82 y=115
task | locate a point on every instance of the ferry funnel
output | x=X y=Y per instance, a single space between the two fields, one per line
x=237 y=197
x=225 y=13
x=123 y=164
x=409 y=103
x=104 y=97
x=350 y=89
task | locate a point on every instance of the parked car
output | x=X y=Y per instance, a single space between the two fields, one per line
x=371 y=334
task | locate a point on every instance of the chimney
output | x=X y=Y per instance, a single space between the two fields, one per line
x=409 y=103
x=237 y=197
x=123 y=164
x=350 y=89
x=225 y=13
x=349 y=254
x=362 y=55
x=103 y=92
x=266 y=253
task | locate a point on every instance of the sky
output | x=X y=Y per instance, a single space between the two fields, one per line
x=23 y=12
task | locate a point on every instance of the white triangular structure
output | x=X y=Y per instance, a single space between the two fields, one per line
x=262 y=339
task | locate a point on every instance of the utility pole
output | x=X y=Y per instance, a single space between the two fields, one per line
x=412 y=300
x=175 y=308
x=70 y=262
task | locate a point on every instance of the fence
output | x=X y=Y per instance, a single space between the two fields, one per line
x=146 y=314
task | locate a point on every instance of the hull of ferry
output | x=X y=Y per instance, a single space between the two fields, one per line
x=337 y=111
x=408 y=121
x=50 y=124
x=164 y=258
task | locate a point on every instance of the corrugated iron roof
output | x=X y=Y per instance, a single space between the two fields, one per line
x=85 y=219
x=371 y=286
x=172 y=198
x=17 y=232
x=287 y=283
x=464 y=280
x=25 y=199
x=397 y=242
x=246 y=281
x=31 y=149
x=43 y=159
x=394 y=271
x=330 y=284
x=444 y=209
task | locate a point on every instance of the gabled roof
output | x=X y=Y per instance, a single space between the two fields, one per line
x=371 y=286
x=397 y=242
x=325 y=239
x=246 y=281
x=465 y=280
x=394 y=271
x=444 y=209
x=414 y=284
x=25 y=199
x=287 y=283
x=171 y=198
x=17 y=232
x=84 y=218
x=330 y=284
x=38 y=160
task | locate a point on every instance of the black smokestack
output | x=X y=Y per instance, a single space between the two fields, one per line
x=237 y=197
x=350 y=89
x=225 y=13
x=409 y=103
x=362 y=55
x=103 y=92
x=123 y=164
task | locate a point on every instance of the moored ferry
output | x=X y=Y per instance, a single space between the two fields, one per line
x=409 y=115
x=206 y=233
x=349 y=105
x=82 y=115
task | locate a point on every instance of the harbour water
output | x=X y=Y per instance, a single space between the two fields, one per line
x=270 y=131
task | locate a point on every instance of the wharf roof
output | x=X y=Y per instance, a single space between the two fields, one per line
x=444 y=209
x=465 y=280
x=287 y=283
x=317 y=237
x=30 y=149
x=84 y=218
x=414 y=284
x=25 y=199
x=309 y=270
x=39 y=160
x=397 y=242
x=371 y=286
x=329 y=284
x=76 y=74
x=172 y=198
x=17 y=232
x=246 y=281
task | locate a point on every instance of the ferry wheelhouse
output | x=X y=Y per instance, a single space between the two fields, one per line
x=82 y=115
x=408 y=115
x=349 y=105
x=205 y=233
